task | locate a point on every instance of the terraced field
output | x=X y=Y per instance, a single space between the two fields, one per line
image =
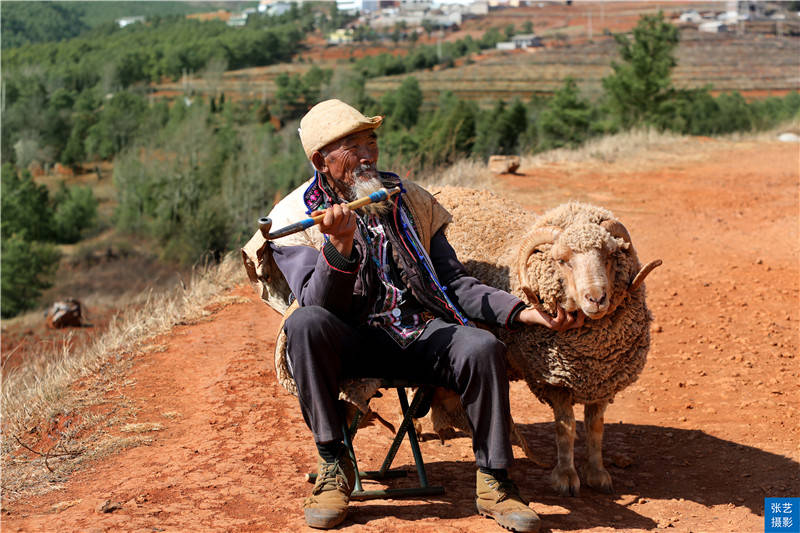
x=753 y=65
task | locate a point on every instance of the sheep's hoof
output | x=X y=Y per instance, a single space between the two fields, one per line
x=418 y=429
x=597 y=478
x=565 y=481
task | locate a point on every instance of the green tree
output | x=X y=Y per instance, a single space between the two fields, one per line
x=642 y=83
x=27 y=269
x=490 y=38
x=512 y=125
x=509 y=31
x=487 y=140
x=33 y=22
x=75 y=211
x=527 y=27
x=74 y=152
x=117 y=125
x=25 y=206
x=28 y=263
x=408 y=100
x=500 y=130
x=396 y=35
x=566 y=120
x=449 y=133
x=427 y=25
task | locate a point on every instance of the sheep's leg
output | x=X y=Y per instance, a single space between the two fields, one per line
x=519 y=439
x=564 y=477
x=594 y=473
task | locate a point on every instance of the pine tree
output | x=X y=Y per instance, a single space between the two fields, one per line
x=642 y=83
x=408 y=100
x=566 y=119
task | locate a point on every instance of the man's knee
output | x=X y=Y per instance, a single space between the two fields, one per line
x=485 y=353
x=310 y=331
x=308 y=320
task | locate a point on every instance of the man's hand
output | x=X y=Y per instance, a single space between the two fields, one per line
x=561 y=322
x=339 y=224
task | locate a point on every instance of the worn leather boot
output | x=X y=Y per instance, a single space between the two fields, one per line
x=327 y=505
x=501 y=500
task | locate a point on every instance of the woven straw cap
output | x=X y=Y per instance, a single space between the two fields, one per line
x=331 y=120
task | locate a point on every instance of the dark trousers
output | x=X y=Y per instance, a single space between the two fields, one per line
x=323 y=350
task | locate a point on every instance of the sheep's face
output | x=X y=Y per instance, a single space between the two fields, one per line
x=584 y=256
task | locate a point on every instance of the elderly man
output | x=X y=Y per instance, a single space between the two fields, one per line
x=386 y=296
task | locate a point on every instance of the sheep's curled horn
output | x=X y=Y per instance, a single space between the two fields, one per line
x=617 y=229
x=545 y=235
x=548 y=235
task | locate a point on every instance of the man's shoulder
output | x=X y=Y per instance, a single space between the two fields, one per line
x=292 y=208
x=420 y=196
x=292 y=201
x=429 y=215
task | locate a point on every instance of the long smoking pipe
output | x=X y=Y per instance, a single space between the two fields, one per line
x=265 y=223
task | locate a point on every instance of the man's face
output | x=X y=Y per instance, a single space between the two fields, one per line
x=351 y=160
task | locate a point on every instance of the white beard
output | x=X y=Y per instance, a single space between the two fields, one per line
x=365 y=187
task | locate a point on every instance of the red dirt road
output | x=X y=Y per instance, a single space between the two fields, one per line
x=709 y=430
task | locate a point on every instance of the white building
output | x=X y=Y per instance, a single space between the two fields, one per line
x=276 y=7
x=362 y=6
x=125 y=21
x=237 y=19
x=523 y=40
x=691 y=16
x=713 y=26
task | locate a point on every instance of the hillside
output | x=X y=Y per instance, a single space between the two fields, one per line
x=726 y=62
x=189 y=431
x=577 y=43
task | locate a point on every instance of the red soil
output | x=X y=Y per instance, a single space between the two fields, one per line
x=707 y=432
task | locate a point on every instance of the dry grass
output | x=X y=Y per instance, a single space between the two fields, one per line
x=463 y=173
x=644 y=146
x=610 y=148
x=50 y=423
x=645 y=143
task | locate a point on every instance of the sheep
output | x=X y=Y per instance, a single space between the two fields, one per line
x=577 y=256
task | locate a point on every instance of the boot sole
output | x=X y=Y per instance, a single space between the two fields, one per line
x=324 y=522
x=488 y=514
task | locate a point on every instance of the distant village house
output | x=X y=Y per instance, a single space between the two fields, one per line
x=340 y=36
x=523 y=40
x=126 y=21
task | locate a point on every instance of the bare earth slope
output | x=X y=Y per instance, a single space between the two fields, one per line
x=708 y=431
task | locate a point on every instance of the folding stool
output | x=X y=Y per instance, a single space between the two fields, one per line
x=406 y=428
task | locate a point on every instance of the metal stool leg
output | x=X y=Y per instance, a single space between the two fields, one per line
x=412 y=435
x=406 y=429
x=348 y=434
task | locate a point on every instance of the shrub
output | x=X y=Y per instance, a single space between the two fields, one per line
x=25 y=205
x=75 y=211
x=28 y=267
x=408 y=99
x=566 y=120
